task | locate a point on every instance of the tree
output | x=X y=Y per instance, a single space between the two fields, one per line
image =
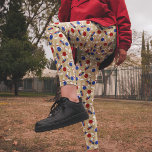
x=17 y=54
x=146 y=52
x=143 y=51
x=151 y=52
x=39 y=14
x=51 y=64
x=146 y=61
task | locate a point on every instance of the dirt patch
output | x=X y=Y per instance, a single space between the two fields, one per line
x=123 y=126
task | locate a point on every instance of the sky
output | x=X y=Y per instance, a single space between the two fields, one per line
x=140 y=13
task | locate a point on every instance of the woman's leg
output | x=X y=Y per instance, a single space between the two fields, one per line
x=86 y=74
x=60 y=37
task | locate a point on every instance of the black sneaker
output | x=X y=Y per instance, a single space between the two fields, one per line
x=63 y=113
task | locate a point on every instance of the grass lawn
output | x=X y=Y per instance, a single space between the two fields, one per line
x=123 y=126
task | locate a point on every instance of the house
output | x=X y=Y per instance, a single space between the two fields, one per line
x=32 y=83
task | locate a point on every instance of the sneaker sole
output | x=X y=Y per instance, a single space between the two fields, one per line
x=70 y=121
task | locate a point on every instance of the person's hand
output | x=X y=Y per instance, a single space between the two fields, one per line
x=120 y=56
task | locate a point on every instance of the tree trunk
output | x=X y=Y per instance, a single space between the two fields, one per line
x=16 y=88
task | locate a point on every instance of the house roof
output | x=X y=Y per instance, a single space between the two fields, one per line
x=45 y=73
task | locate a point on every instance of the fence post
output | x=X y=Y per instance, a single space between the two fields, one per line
x=116 y=84
x=150 y=74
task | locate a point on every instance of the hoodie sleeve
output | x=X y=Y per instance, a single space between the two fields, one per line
x=65 y=11
x=123 y=23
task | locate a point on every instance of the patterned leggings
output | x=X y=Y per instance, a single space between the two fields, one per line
x=94 y=43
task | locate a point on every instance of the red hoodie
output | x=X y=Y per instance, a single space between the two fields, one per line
x=104 y=12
